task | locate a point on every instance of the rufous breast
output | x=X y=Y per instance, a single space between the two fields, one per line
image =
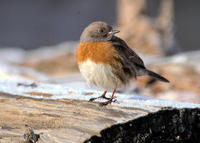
x=98 y=52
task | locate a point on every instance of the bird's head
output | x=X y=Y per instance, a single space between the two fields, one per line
x=97 y=32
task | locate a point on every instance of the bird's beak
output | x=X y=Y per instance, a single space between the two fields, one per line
x=114 y=31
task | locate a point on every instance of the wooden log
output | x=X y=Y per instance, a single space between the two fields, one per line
x=61 y=120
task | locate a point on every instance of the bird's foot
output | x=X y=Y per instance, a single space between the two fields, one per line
x=102 y=96
x=108 y=102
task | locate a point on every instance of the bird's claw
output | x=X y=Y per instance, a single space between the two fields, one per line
x=104 y=97
x=108 y=102
x=92 y=99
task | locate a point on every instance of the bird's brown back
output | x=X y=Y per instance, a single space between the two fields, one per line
x=127 y=53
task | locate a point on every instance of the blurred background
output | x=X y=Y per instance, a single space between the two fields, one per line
x=41 y=35
x=31 y=24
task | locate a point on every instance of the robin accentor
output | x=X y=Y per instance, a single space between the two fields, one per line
x=106 y=61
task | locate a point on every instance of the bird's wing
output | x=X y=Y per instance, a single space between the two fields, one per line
x=133 y=59
x=127 y=52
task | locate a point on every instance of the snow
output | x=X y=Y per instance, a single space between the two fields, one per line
x=61 y=91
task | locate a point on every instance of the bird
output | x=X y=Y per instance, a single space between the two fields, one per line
x=107 y=62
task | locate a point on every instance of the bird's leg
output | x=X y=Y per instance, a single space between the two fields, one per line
x=102 y=96
x=110 y=99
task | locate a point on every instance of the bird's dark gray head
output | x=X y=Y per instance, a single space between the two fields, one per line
x=97 y=32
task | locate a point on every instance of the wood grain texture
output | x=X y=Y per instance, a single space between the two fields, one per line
x=60 y=121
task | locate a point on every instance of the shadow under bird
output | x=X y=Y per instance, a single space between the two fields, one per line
x=106 y=61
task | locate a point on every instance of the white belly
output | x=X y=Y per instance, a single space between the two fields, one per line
x=99 y=75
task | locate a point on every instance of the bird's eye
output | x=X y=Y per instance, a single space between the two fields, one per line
x=101 y=30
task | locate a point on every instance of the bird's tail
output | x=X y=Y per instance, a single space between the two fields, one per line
x=156 y=76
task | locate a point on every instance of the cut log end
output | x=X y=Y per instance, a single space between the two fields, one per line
x=166 y=125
